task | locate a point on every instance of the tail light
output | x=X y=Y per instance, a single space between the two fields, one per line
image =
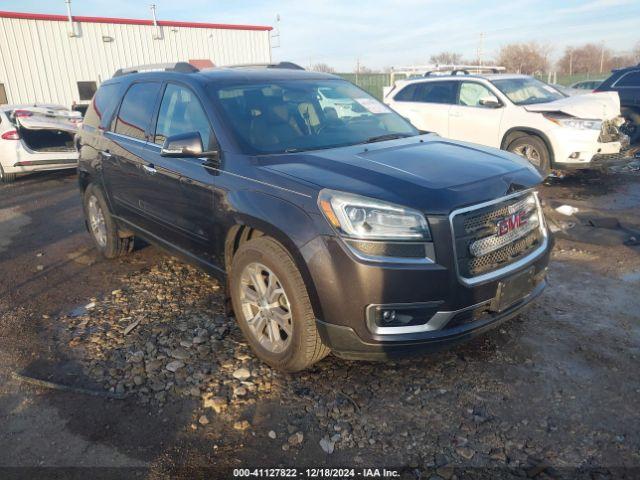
x=11 y=135
x=22 y=113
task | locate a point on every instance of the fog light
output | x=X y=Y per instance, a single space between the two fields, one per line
x=574 y=155
x=401 y=315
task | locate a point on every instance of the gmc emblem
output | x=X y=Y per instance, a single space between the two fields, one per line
x=510 y=223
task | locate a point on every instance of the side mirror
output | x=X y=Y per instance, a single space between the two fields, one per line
x=490 y=102
x=185 y=145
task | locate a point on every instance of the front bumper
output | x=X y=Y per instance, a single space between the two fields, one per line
x=600 y=162
x=345 y=342
x=582 y=149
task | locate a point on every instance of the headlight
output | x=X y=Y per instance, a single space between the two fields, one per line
x=577 y=123
x=366 y=218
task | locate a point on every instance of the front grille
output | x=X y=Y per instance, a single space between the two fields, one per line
x=481 y=248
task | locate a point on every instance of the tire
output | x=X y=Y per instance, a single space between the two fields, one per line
x=534 y=150
x=104 y=233
x=6 y=177
x=290 y=351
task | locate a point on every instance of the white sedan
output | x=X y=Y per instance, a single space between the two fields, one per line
x=516 y=113
x=35 y=138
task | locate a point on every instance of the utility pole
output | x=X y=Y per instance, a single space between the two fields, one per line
x=601 y=57
x=570 y=62
x=480 y=52
x=357 y=69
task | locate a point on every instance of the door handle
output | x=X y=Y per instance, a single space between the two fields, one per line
x=455 y=114
x=149 y=169
x=106 y=154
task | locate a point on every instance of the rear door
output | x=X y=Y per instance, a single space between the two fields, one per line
x=427 y=104
x=126 y=170
x=182 y=202
x=473 y=119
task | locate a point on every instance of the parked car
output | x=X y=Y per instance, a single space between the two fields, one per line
x=35 y=138
x=516 y=113
x=588 y=85
x=352 y=234
x=626 y=82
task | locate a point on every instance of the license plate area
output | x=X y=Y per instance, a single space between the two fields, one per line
x=513 y=289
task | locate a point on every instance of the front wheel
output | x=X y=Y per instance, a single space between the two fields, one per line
x=102 y=226
x=272 y=306
x=534 y=150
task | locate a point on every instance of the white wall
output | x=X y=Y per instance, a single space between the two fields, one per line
x=39 y=62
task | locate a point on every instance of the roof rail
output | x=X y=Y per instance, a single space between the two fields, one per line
x=285 y=65
x=182 y=67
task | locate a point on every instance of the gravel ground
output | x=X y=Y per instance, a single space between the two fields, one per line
x=552 y=393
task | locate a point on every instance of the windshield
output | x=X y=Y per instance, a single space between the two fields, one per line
x=297 y=115
x=526 y=91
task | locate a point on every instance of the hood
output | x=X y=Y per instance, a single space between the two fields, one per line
x=591 y=106
x=43 y=118
x=425 y=172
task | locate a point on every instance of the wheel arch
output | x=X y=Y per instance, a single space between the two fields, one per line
x=286 y=231
x=517 y=132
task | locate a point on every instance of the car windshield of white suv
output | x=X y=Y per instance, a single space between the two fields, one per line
x=298 y=115
x=527 y=91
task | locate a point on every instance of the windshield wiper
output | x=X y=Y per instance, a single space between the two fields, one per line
x=386 y=136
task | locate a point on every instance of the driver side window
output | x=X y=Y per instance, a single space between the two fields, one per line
x=181 y=112
x=473 y=94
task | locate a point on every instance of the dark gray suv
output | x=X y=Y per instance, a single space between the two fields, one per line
x=334 y=223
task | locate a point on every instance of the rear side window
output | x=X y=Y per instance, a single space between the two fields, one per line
x=436 y=92
x=137 y=109
x=406 y=94
x=181 y=112
x=102 y=106
x=629 y=79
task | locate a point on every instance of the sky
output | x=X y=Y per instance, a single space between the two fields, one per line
x=381 y=34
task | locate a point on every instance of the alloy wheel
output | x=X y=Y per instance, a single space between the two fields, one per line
x=265 y=307
x=96 y=221
x=529 y=152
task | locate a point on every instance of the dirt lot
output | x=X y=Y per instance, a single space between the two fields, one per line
x=167 y=386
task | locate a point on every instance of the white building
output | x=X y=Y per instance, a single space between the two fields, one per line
x=61 y=59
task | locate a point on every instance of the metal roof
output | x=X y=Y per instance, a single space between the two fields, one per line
x=130 y=21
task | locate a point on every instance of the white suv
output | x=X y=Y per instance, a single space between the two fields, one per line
x=516 y=113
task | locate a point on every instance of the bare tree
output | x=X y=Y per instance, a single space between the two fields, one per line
x=589 y=58
x=446 y=58
x=635 y=54
x=528 y=58
x=322 y=67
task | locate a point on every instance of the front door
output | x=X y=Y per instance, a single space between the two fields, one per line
x=476 y=116
x=182 y=202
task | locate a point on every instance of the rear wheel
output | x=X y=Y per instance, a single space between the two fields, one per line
x=534 y=150
x=6 y=177
x=103 y=229
x=272 y=306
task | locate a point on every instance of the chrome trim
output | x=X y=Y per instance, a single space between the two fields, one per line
x=437 y=322
x=513 y=266
x=126 y=137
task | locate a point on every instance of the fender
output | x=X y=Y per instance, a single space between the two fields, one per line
x=282 y=220
x=531 y=131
